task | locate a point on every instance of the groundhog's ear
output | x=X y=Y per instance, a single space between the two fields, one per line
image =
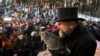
x=42 y=30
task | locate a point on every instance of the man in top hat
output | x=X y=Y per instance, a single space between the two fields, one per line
x=76 y=39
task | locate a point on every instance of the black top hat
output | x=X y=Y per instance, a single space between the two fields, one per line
x=68 y=14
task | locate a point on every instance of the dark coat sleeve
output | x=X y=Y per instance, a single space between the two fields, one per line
x=87 y=49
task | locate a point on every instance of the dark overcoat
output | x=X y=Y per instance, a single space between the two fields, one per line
x=23 y=45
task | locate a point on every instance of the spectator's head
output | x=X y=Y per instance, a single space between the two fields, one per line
x=20 y=35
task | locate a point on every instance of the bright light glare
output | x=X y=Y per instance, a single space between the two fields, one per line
x=7 y=19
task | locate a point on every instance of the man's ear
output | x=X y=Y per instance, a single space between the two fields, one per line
x=72 y=24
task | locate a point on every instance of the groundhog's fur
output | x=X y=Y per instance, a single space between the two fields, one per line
x=51 y=40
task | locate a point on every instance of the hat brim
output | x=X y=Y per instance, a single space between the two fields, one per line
x=71 y=19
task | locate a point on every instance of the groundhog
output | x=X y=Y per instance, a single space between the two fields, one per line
x=51 y=40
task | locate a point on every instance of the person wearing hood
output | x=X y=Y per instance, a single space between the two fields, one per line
x=21 y=45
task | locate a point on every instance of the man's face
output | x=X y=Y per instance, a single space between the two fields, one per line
x=64 y=27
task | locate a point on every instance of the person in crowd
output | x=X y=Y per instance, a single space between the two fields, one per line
x=2 y=39
x=21 y=45
x=37 y=44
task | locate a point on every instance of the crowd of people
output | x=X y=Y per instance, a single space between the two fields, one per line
x=18 y=33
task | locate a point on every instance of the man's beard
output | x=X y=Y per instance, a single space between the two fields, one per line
x=64 y=34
